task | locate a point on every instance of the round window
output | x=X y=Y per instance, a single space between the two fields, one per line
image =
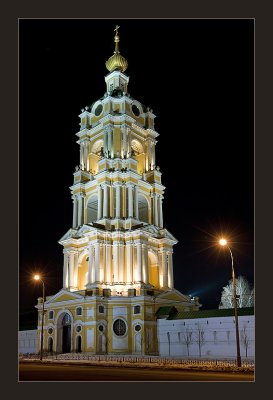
x=98 y=110
x=137 y=328
x=50 y=331
x=119 y=327
x=78 y=328
x=135 y=110
x=101 y=328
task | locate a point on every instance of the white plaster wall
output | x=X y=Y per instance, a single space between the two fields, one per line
x=28 y=341
x=90 y=338
x=171 y=337
x=120 y=343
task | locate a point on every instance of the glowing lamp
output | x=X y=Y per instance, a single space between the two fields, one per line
x=223 y=242
x=37 y=277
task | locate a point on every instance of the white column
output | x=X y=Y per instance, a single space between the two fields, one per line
x=99 y=202
x=153 y=154
x=117 y=201
x=97 y=262
x=76 y=267
x=75 y=211
x=124 y=201
x=136 y=202
x=121 y=263
x=65 y=271
x=105 y=201
x=110 y=141
x=115 y=263
x=71 y=269
x=87 y=156
x=84 y=155
x=81 y=156
x=124 y=141
x=90 y=264
x=80 y=198
x=105 y=140
x=129 y=270
x=149 y=153
x=102 y=262
x=155 y=210
x=170 y=270
x=139 y=262
x=164 y=269
x=160 y=213
x=108 y=263
x=130 y=201
x=145 y=263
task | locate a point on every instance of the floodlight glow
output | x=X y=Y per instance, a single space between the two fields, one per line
x=37 y=277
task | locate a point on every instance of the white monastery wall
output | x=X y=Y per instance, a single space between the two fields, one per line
x=217 y=337
x=28 y=341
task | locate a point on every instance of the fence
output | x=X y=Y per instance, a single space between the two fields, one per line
x=143 y=359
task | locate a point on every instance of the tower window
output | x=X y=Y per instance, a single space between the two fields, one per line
x=50 y=314
x=79 y=311
x=136 y=309
x=111 y=87
x=101 y=309
x=98 y=110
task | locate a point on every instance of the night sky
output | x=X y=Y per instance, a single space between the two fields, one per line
x=197 y=76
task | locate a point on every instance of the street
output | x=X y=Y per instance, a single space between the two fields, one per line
x=59 y=372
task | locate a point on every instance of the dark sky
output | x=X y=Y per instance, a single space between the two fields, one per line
x=197 y=76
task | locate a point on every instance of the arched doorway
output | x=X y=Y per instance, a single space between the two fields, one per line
x=79 y=344
x=64 y=333
x=50 y=345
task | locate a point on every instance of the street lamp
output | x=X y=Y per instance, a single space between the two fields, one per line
x=38 y=278
x=223 y=242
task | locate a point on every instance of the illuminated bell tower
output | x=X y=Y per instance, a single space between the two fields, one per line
x=117 y=196
x=118 y=257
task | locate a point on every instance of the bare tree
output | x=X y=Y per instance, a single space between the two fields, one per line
x=244 y=291
x=200 y=337
x=245 y=339
x=188 y=339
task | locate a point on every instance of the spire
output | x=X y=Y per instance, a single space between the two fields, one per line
x=116 y=61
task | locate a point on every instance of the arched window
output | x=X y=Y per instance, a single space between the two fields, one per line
x=79 y=311
x=143 y=210
x=92 y=208
x=96 y=148
x=137 y=309
x=66 y=320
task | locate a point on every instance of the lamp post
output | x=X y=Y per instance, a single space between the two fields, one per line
x=223 y=242
x=38 y=278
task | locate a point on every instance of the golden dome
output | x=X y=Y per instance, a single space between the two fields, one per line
x=116 y=61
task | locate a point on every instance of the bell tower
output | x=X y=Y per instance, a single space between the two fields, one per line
x=118 y=257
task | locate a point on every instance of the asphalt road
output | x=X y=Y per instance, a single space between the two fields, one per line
x=59 y=372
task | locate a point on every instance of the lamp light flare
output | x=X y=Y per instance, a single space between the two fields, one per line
x=37 y=277
x=223 y=242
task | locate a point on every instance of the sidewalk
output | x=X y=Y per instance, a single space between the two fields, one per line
x=142 y=364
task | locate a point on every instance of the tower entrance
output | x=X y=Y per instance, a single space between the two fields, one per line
x=64 y=333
